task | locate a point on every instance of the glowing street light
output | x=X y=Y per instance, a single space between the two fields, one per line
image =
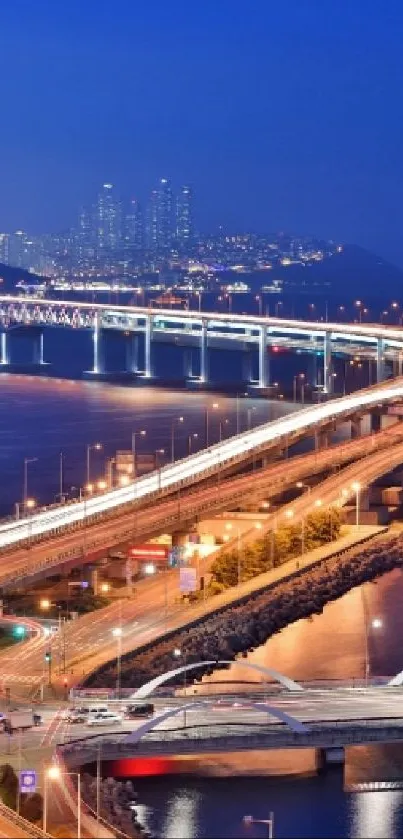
x=91 y=447
x=54 y=773
x=45 y=603
x=173 y=426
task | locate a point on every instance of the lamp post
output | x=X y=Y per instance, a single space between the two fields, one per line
x=54 y=773
x=250 y=820
x=375 y=624
x=61 y=469
x=190 y=438
x=173 y=426
x=136 y=434
x=27 y=461
x=91 y=447
x=117 y=633
x=214 y=407
x=158 y=454
x=222 y=424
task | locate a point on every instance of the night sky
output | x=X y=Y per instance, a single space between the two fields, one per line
x=283 y=115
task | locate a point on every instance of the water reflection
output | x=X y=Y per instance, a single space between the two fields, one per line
x=332 y=645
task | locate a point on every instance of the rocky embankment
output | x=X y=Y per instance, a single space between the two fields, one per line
x=246 y=624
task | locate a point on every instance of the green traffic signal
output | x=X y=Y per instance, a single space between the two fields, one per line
x=48 y=656
x=19 y=631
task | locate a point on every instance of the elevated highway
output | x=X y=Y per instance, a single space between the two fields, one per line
x=185 y=473
x=184 y=508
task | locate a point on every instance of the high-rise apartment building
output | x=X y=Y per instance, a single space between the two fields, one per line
x=4 y=248
x=160 y=221
x=134 y=227
x=184 y=217
x=108 y=222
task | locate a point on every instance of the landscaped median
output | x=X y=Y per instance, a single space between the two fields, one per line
x=240 y=619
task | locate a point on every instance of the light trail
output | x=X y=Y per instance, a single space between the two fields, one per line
x=200 y=464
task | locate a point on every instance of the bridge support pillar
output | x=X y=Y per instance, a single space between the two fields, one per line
x=322 y=439
x=203 y=353
x=96 y=339
x=264 y=377
x=247 y=367
x=375 y=421
x=356 y=428
x=38 y=348
x=380 y=360
x=327 y=364
x=147 y=347
x=132 y=353
x=188 y=363
x=4 y=356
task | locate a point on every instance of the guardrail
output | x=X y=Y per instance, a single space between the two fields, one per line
x=26 y=826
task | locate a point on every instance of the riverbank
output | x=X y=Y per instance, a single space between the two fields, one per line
x=238 y=627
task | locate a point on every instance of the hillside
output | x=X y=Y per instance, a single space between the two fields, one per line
x=9 y=277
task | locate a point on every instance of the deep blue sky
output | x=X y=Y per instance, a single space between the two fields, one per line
x=283 y=115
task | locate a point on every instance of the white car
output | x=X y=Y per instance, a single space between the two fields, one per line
x=107 y=718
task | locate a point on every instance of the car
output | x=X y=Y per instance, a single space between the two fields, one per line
x=108 y=718
x=134 y=711
x=76 y=718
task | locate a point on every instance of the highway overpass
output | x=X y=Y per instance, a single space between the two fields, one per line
x=182 y=474
x=180 y=511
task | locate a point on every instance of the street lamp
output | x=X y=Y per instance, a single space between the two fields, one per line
x=300 y=376
x=91 y=447
x=136 y=434
x=54 y=773
x=173 y=426
x=190 y=438
x=117 y=633
x=356 y=486
x=374 y=624
x=214 y=407
x=222 y=423
x=27 y=461
x=301 y=485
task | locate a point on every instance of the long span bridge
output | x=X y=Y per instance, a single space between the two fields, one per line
x=203 y=331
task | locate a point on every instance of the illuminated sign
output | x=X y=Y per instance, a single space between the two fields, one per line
x=156 y=553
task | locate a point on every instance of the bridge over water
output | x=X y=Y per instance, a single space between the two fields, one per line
x=201 y=332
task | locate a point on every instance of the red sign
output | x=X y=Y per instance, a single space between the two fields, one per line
x=149 y=553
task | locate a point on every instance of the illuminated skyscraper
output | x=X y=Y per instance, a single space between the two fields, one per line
x=108 y=222
x=160 y=226
x=134 y=227
x=184 y=217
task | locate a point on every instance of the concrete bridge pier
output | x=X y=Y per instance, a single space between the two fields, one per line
x=263 y=383
x=188 y=363
x=38 y=348
x=327 y=364
x=132 y=353
x=203 y=353
x=147 y=348
x=247 y=367
x=356 y=427
x=380 y=360
x=97 y=366
x=4 y=353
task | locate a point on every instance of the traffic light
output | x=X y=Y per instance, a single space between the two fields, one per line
x=65 y=681
x=48 y=656
x=19 y=631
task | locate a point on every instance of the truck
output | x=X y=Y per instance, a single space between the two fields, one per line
x=18 y=719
